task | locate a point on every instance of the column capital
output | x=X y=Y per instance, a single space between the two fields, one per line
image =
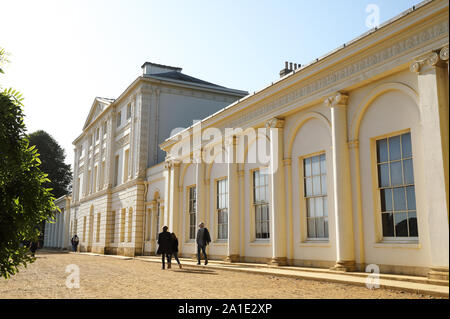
x=337 y=99
x=275 y=123
x=431 y=60
x=287 y=162
x=230 y=140
x=443 y=54
x=353 y=144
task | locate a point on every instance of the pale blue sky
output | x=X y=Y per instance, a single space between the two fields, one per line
x=64 y=53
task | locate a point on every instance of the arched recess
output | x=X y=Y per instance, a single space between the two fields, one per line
x=303 y=119
x=210 y=165
x=183 y=173
x=247 y=148
x=372 y=96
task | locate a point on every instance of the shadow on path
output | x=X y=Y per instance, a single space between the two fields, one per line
x=196 y=271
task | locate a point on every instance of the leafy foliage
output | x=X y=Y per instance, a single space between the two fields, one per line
x=24 y=201
x=52 y=157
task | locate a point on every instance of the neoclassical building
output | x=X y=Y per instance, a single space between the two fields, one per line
x=117 y=158
x=340 y=163
x=357 y=171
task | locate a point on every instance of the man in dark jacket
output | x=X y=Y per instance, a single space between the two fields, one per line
x=165 y=247
x=203 y=239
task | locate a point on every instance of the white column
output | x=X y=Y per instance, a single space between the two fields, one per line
x=432 y=76
x=341 y=184
x=200 y=185
x=233 y=201
x=110 y=150
x=277 y=192
x=172 y=210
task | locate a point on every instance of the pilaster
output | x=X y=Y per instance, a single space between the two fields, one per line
x=341 y=183
x=233 y=200
x=432 y=75
x=277 y=192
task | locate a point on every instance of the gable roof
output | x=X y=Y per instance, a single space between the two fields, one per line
x=99 y=104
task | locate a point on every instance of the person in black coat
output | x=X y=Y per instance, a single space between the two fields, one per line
x=165 y=247
x=175 y=249
x=203 y=239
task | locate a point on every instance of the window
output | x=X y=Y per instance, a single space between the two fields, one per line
x=396 y=186
x=130 y=224
x=102 y=175
x=116 y=170
x=119 y=119
x=88 y=186
x=261 y=204
x=125 y=166
x=222 y=209
x=113 y=226
x=122 y=225
x=128 y=111
x=97 y=134
x=315 y=194
x=158 y=216
x=94 y=185
x=192 y=211
x=104 y=128
x=84 y=229
x=97 y=237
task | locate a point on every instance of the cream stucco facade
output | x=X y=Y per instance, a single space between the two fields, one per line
x=388 y=83
x=327 y=124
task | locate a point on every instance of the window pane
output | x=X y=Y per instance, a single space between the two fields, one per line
x=383 y=175
x=325 y=206
x=320 y=228
x=323 y=164
x=386 y=200
x=411 y=197
x=323 y=180
x=308 y=186
x=394 y=148
x=406 y=145
x=399 y=199
x=401 y=225
x=310 y=207
x=315 y=165
x=408 y=171
x=316 y=185
x=388 y=224
x=307 y=162
x=396 y=174
x=325 y=225
x=311 y=228
x=318 y=203
x=412 y=221
x=382 y=153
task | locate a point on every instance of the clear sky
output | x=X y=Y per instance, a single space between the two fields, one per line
x=64 y=53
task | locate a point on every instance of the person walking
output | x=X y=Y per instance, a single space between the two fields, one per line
x=33 y=247
x=203 y=239
x=75 y=240
x=165 y=247
x=175 y=249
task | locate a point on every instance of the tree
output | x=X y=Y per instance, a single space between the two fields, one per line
x=52 y=157
x=24 y=200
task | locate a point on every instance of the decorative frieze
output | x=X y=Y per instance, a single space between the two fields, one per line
x=350 y=69
x=122 y=141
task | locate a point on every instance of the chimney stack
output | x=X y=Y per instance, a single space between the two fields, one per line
x=288 y=68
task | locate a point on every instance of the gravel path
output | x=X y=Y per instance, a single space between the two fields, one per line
x=104 y=277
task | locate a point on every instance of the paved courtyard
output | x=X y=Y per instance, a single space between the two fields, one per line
x=104 y=277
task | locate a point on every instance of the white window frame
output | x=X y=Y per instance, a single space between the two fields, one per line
x=312 y=196
x=412 y=239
